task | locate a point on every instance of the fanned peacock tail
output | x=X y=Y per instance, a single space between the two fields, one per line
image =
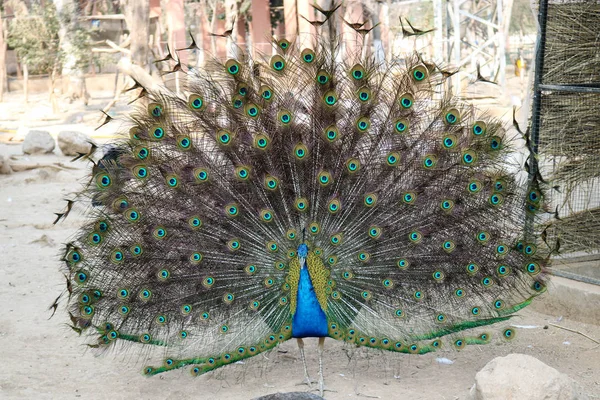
x=403 y=194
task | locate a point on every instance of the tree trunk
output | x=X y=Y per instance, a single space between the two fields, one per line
x=3 y=81
x=137 y=16
x=25 y=82
x=72 y=71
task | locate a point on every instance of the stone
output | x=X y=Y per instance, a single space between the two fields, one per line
x=290 y=396
x=38 y=142
x=5 y=168
x=71 y=143
x=519 y=376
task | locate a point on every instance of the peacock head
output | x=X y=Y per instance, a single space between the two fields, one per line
x=303 y=250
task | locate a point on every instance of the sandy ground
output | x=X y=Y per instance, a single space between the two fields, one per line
x=43 y=358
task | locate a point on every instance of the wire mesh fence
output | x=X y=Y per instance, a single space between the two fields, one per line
x=566 y=126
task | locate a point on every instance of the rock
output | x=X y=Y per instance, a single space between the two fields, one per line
x=5 y=168
x=290 y=396
x=38 y=142
x=519 y=376
x=71 y=143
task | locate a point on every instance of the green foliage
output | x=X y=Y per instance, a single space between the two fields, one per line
x=34 y=36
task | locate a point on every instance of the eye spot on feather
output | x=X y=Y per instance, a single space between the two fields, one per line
x=103 y=180
x=452 y=117
x=472 y=268
x=447 y=205
x=159 y=233
x=419 y=73
x=401 y=126
x=233 y=245
x=508 y=334
x=308 y=55
x=117 y=256
x=469 y=157
x=232 y=210
x=532 y=268
x=94 y=238
x=195 y=102
x=141 y=152
x=164 y=274
x=186 y=309
x=449 y=246
x=300 y=151
x=272 y=246
x=370 y=200
x=363 y=256
x=301 y=204
x=232 y=67
x=438 y=276
x=474 y=186
x=483 y=237
x=271 y=182
x=479 y=128
x=184 y=142
x=496 y=199
x=357 y=72
x=430 y=161
x=228 y=298
x=409 y=197
x=314 y=228
x=336 y=239
x=418 y=295
x=330 y=98
x=375 y=232
x=155 y=110
x=407 y=100
x=459 y=293
x=87 y=312
x=323 y=77
x=392 y=159
x=487 y=281
x=334 y=206
x=201 y=175
x=172 y=181
x=402 y=263
x=364 y=94
x=158 y=133
x=285 y=117
x=415 y=237
x=449 y=141
x=252 y=110
x=353 y=165
x=538 y=287
x=224 y=137
x=363 y=124
x=277 y=63
x=195 y=257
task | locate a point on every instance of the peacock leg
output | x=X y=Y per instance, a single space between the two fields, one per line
x=321 y=381
x=307 y=380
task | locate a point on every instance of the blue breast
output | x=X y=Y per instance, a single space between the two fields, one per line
x=309 y=320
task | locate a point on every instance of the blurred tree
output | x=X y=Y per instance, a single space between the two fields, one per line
x=34 y=35
x=137 y=16
x=75 y=45
x=3 y=80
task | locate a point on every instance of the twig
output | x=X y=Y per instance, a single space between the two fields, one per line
x=574 y=331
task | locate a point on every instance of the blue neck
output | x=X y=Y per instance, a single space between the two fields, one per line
x=309 y=319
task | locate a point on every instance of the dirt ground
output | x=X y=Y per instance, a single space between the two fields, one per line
x=42 y=358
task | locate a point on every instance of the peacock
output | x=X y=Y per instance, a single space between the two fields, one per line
x=303 y=194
